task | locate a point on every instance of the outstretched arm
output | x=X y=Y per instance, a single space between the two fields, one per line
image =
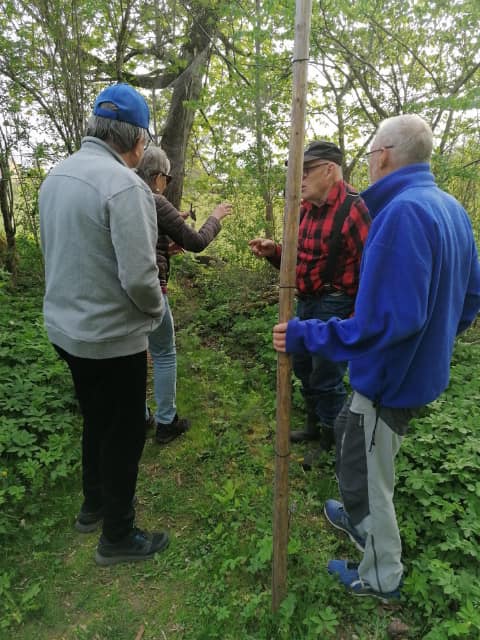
x=262 y=247
x=172 y=224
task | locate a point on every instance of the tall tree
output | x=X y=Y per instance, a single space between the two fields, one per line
x=221 y=70
x=13 y=133
x=41 y=54
x=391 y=57
x=6 y=200
x=56 y=56
x=187 y=90
x=243 y=137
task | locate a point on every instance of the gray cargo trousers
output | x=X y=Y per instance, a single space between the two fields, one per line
x=368 y=439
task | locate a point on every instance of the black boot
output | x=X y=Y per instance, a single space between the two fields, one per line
x=327 y=442
x=310 y=432
x=168 y=432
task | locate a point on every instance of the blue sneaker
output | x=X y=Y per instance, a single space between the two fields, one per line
x=347 y=573
x=339 y=518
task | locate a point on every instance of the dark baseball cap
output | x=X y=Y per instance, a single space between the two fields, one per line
x=130 y=105
x=322 y=150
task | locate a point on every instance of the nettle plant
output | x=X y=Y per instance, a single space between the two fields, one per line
x=438 y=503
x=38 y=443
x=37 y=412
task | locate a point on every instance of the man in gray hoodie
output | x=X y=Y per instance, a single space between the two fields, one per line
x=102 y=299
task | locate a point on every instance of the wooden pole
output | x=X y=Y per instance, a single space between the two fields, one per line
x=287 y=289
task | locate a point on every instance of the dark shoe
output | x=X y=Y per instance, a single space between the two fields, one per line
x=339 y=518
x=88 y=521
x=138 y=545
x=312 y=458
x=311 y=430
x=168 y=432
x=347 y=573
x=150 y=421
x=305 y=435
x=327 y=441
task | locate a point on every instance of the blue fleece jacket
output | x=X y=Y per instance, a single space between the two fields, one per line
x=419 y=288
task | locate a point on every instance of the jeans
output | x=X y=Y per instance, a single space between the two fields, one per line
x=322 y=380
x=161 y=345
x=111 y=393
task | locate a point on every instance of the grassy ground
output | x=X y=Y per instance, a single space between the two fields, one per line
x=212 y=489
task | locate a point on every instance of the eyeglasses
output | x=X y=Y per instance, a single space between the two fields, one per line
x=369 y=153
x=147 y=139
x=306 y=170
x=167 y=176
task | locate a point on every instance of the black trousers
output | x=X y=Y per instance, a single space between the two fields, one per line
x=111 y=394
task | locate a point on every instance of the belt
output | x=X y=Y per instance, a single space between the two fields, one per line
x=318 y=294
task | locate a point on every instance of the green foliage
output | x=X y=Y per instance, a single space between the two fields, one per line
x=27 y=184
x=372 y=61
x=369 y=60
x=438 y=493
x=438 y=498
x=36 y=408
x=38 y=444
x=238 y=312
x=214 y=487
x=16 y=603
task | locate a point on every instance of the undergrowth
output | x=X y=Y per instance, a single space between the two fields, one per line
x=438 y=485
x=38 y=443
x=214 y=490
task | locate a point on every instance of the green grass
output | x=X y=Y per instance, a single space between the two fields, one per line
x=213 y=490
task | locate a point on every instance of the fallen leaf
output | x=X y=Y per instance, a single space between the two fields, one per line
x=398 y=630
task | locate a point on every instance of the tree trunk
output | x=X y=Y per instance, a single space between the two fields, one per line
x=270 y=223
x=179 y=123
x=187 y=90
x=259 y=124
x=6 y=206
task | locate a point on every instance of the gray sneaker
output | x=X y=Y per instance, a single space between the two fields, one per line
x=138 y=545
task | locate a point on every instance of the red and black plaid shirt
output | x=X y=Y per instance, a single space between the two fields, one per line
x=314 y=232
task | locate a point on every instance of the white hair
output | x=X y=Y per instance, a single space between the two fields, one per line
x=409 y=136
x=154 y=161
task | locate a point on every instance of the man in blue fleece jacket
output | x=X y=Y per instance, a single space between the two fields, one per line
x=419 y=288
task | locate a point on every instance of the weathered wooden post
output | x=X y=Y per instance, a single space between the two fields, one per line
x=287 y=289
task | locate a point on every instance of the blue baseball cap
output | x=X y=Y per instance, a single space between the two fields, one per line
x=131 y=105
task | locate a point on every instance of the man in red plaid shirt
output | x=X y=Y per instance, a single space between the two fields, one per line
x=333 y=221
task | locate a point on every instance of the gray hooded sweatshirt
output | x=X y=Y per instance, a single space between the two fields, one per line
x=99 y=230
